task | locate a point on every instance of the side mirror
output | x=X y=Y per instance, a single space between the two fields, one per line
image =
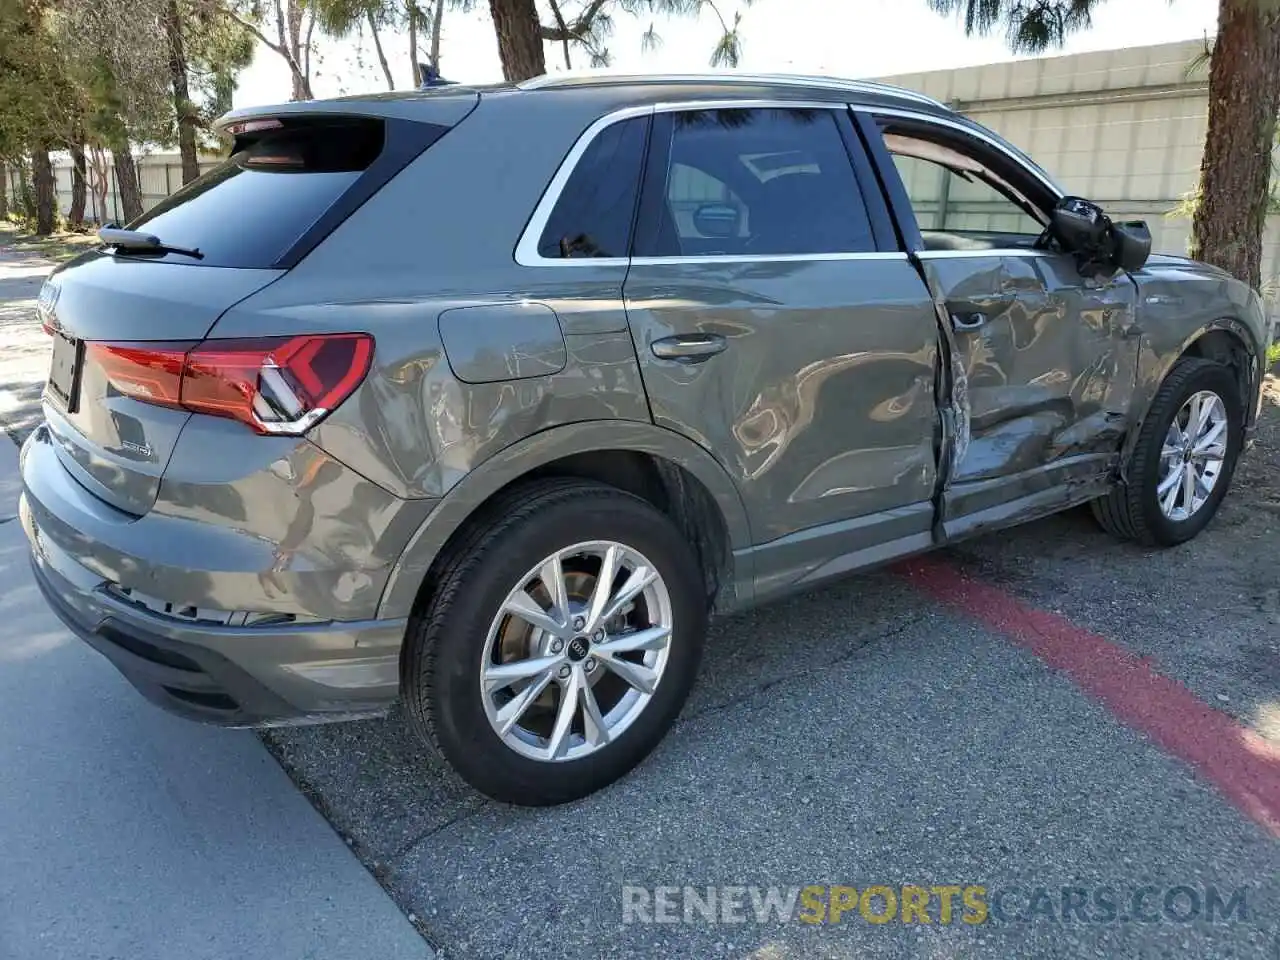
x=718 y=220
x=1080 y=226
x=1130 y=244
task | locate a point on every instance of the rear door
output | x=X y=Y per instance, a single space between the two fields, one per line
x=778 y=326
x=1044 y=359
x=123 y=319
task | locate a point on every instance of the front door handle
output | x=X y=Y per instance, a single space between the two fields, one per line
x=689 y=347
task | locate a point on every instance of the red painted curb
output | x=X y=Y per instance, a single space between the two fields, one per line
x=1236 y=760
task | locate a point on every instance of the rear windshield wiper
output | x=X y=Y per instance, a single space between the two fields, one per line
x=142 y=242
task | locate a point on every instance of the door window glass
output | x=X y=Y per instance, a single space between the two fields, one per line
x=755 y=182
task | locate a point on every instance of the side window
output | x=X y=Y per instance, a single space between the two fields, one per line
x=752 y=182
x=952 y=193
x=593 y=216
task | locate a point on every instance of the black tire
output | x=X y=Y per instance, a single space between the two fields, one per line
x=441 y=677
x=1131 y=511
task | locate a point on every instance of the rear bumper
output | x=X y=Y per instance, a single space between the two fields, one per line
x=295 y=669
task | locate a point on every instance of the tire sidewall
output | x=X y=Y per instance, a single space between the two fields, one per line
x=463 y=731
x=1207 y=377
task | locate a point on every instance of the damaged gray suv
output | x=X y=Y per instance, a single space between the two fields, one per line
x=486 y=398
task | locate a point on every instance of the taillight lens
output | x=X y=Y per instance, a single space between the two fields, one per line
x=280 y=385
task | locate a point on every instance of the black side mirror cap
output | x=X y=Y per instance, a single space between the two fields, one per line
x=1130 y=244
x=1079 y=226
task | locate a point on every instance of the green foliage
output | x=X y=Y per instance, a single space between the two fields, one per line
x=1030 y=26
x=590 y=24
x=38 y=102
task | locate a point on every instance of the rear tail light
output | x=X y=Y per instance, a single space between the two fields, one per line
x=282 y=385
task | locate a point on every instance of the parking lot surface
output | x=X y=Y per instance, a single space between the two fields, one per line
x=1040 y=709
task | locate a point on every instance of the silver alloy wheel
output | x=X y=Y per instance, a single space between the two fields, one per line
x=1193 y=455
x=576 y=651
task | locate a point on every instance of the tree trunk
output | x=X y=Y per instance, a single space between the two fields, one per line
x=4 y=192
x=411 y=8
x=127 y=182
x=437 y=23
x=78 y=179
x=519 y=38
x=1235 y=173
x=377 y=45
x=183 y=109
x=46 y=195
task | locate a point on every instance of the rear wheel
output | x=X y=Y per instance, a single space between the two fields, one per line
x=1183 y=460
x=561 y=644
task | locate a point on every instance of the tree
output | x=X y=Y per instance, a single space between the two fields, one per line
x=294 y=23
x=38 y=101
x=521 y=32
x=343 y=18
x=1244 y=98
x=186 y=115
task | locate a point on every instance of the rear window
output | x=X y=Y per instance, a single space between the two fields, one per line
x=253 y=207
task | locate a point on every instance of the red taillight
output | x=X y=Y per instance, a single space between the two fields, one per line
x=145 y=371
x=282 y=385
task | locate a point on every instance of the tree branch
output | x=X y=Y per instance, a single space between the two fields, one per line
x=580 y=27
x=719 y=16
x=555 y=9
x=253 y=29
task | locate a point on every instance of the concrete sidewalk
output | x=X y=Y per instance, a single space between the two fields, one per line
x=127 y=834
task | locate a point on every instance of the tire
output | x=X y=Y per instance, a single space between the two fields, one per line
x=466 y=630
x=1132 y=510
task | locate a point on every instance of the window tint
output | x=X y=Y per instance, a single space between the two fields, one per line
x=593 y=215
x=947 y=200
x=251 y=208
x=754 y=182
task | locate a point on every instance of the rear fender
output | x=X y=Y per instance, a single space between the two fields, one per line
x=543 y=448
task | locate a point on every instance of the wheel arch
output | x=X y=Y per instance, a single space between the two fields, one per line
x=662 y=467
x=1226 y=340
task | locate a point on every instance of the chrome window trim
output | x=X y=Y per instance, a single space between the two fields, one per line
x=975 y=131
x=770 y=258
x=527 y=255
x=803 y=81
x=527 y=247
x=994 y=252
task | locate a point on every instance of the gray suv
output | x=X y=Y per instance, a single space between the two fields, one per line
x=486 y=398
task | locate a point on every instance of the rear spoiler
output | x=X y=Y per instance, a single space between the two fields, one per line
x=442 y=107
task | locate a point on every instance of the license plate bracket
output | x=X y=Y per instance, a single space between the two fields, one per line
x=64 y=371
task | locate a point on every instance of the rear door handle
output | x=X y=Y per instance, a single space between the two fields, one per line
x=689 y=347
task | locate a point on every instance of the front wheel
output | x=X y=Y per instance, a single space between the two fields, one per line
x=1183 y=460
x=561 y=644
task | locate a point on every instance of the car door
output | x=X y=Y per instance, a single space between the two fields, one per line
x=778 y=325
x=1043 y=359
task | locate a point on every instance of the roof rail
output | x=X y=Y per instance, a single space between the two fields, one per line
x=569 y=78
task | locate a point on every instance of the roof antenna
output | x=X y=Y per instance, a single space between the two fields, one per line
x=430 y=77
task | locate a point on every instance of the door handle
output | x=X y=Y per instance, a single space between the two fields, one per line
x=689 y=347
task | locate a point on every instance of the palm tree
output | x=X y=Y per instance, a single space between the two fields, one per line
x=1244 y=98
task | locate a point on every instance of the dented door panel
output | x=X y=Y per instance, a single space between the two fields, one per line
x=1043 y=366
x=821 y=406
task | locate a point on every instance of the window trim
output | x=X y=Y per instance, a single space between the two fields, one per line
x=526 y=251
x=896 y=192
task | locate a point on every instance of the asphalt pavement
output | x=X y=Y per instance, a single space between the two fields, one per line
x=128 y=834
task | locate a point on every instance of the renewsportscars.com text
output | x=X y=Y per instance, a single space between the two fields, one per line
x=941 y=904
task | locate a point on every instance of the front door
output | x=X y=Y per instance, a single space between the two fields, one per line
x=778 y=325
x=1044 y=360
